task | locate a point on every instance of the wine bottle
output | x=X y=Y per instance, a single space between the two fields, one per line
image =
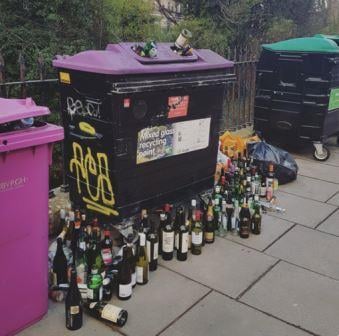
x=107 y=312
x=209 y=230
x=106 y=248
x=229 y=212
x=162 y=223
x=191 y=219
x=107 y=289
x=245 y=220
x=270 y=182
x=125 y=278
x=73 y=308
x=256 y=218
x=152 y=245
x=182 y=248
x=59 y=265
x=142 y=267
x=197 y=235
x=131 y=257
x=81 y=266
x=94 y=286
x=167 y=240
x=176 y=227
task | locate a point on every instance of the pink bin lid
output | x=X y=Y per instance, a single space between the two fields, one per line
x=16 y=109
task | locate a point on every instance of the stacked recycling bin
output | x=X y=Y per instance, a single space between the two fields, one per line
x=25 y=156
x=140 y=131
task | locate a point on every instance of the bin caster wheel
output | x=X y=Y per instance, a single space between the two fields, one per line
x=321 y=154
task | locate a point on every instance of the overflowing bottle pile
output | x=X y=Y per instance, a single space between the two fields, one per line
x=96 y=266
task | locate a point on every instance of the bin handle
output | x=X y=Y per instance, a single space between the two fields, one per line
x=97 y=136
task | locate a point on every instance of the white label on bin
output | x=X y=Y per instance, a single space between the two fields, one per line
x=172 y=139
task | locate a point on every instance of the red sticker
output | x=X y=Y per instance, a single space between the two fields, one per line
x=178 y=106
x=127 y=102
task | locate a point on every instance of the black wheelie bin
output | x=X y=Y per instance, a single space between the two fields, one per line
x=139 y=131
x=297 y=96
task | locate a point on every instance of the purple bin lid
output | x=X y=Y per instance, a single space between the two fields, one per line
x=16 y=109
x=120 y=59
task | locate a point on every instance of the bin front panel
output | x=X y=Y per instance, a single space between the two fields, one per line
x=142 y=145
x=24 y=236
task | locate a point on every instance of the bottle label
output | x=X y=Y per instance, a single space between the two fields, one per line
x=142 y=239
x=107 y=257
x=167 y=241
x=110 y=313
x=134 y=278
x=81 y=274
x=90 y=293
x=263 y=191
x=177 y=241
x=140 y=274
x=125 y=290
x=196 y=238
x=184 y=243
x=82 y=245
x=155 y=251
x=209 y=236
x=233 y=223
x=74 y=310
x=189 y=241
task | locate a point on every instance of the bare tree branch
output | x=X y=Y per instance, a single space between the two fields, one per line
x=166 y=12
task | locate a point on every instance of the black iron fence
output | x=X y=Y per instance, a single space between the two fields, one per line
x=238 y=105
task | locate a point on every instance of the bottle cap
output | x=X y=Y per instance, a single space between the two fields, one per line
x=71 y=215
x=194 y=202
x=94 y=271
x=83 y=217
x=167 y=207
x=162 y=216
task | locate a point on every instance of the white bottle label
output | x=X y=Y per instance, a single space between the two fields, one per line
x=167 y=241
x=140 y=274
x=90 y=293
x=196 y=238
x=177 y=241
x=155 y=251
x=189 y=240
x=134 y=278
x=111 y=313
x=142 y=238
x=82 y=245
x=184 y=243
x=81 y=274
x=125 y=290
x=233 y=223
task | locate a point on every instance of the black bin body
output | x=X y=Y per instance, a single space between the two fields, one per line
x=297 y=96
x=139 y=134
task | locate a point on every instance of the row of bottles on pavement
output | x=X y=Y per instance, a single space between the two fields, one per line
x=234 y=207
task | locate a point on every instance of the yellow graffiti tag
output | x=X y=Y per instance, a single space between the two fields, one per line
x=90 y=168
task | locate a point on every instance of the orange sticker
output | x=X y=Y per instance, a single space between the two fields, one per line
x=178 y=106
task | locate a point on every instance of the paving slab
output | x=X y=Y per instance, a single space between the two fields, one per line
x=318 y=170
x=272 y=229
x=224 y=266
x=311 y=188
x=309 y=248
x=334 y=200
x=217 y=315
x=162 y=300
x=301 y=210
x=151 y=308
x=331 y=224
x=298 y=296
x=53 y=324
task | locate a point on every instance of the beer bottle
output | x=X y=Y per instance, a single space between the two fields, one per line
x=94 y=286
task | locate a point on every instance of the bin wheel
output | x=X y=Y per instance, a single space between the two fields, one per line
x=322 y=156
